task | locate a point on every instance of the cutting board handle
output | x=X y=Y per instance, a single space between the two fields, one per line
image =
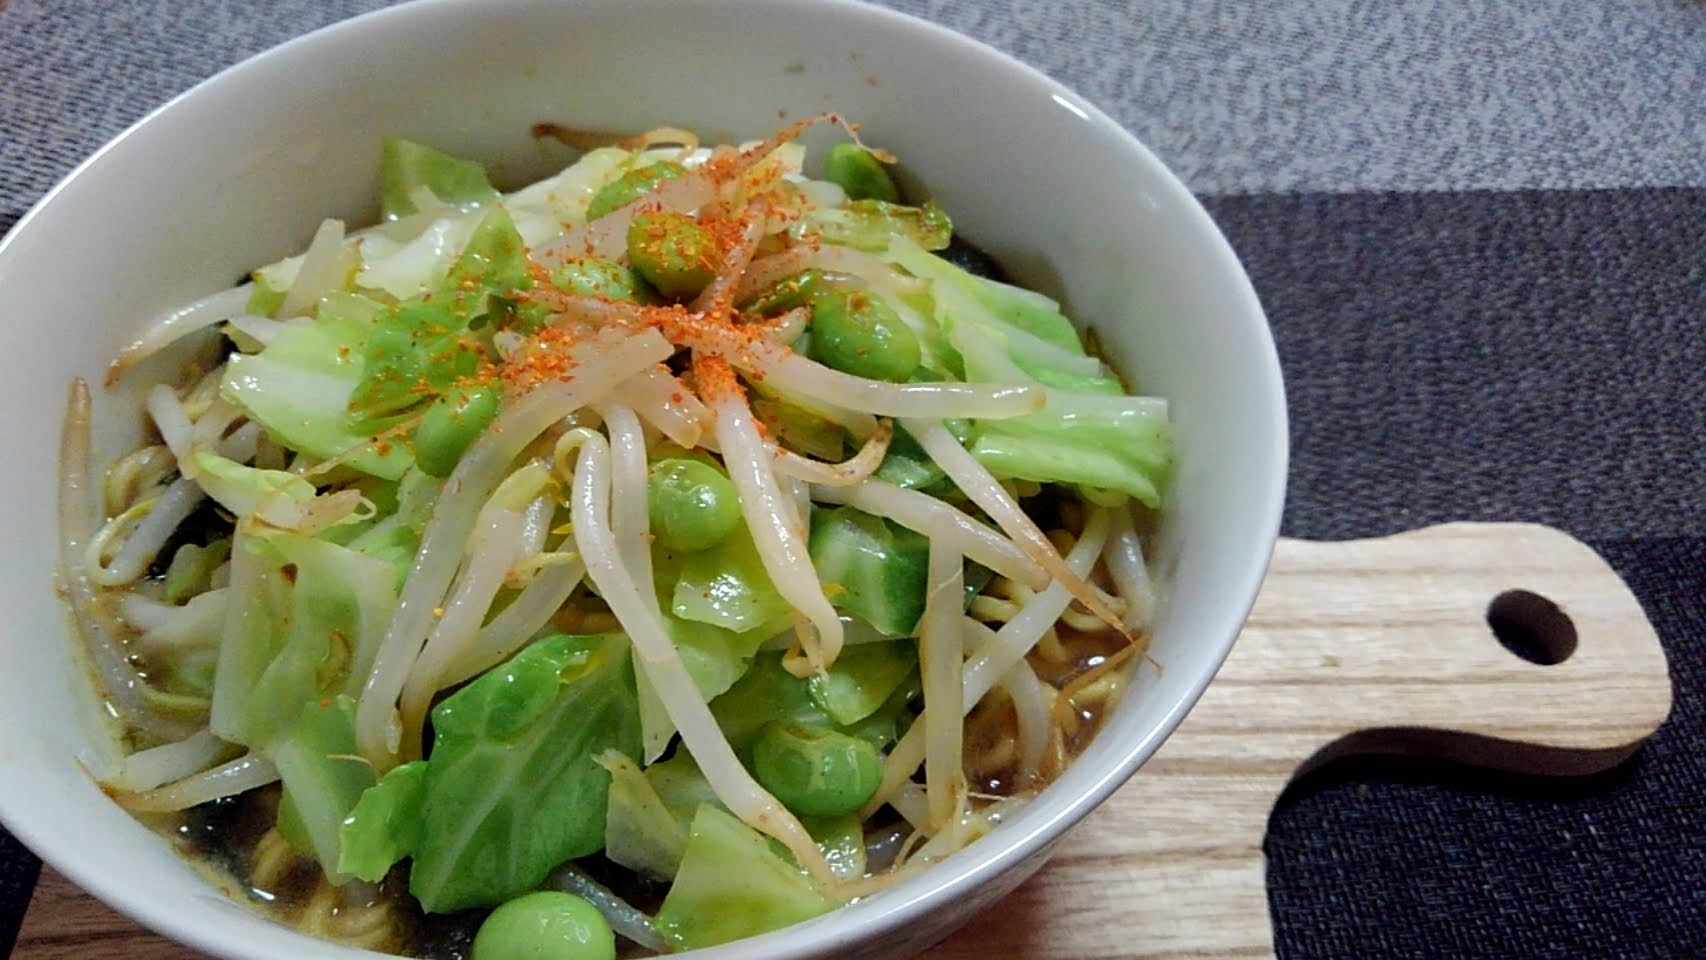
x=1401 y=637
x=1389 y=646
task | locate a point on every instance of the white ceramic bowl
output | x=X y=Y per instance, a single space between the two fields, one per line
x=239 y=170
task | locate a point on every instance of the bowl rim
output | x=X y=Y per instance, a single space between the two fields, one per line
x=967 y=870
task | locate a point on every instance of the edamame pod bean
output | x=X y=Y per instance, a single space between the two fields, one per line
x=857 y=333
x=598 y=277
x=547 y=925
x=796 y=291
x=858 y=172
x=672 y=252
x=450 y=425
x=631 y=186
x=816 y=771
x=692 y=505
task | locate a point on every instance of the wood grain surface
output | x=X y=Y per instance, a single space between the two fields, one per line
x=1379 y=646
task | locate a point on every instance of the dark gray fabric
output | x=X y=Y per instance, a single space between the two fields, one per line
x=18 y=871
x=1453 y=354
x=1238 y=97
x=1487 y=356
x=1242 y=97
x=77 y=72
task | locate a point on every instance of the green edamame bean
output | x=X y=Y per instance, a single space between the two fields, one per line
x=598 y=277
x=547 y=925
x=632 y=186
x=858 y=172
x=815 y=771
x=692 y=505
x=798 y=290
x=450 y=425
x=858 y=333
x=672 y=252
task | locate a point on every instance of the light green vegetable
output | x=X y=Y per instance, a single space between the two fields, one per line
x=420 y=350
x=405 y=269
x=381 y=497
x=789 y=293
x=385 y=824
x=309 y=617
x=510 y=311
x=650 y=812
x=546 y=925
x=191 y=569
x=907 y=465
x=726 y=586
x=1132 y=460
x=732 y=885
x=243 y=489
x=693 y=505
x=862 y=679
x=300 y=385
x=425 y=346
x=494 y=263
x=796 y=425
x=842 y=840
x=815 y=771
x=681 y=785
x=1017 y=307
x=872 y=225
x=714 y=657
x=871 y=567
x=405 y=166
x=264 y=297
x=512 y=789
x=543 y=209
x=767 y=692
x=595 y=277
x=451 y=425
x=857 y=333
x=640 y=832
x=632 y=186
x=397 y=535
x=323 y=777
x=290 y=826
x=857 y=171
x=1090 y=434
x=194 y=636
x=672 y=252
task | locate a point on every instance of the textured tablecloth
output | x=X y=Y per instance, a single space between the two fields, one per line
x=1479 y=230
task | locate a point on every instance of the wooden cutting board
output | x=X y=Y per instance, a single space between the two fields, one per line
x=1368 y=646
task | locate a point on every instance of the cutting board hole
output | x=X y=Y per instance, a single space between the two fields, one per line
x=1532 y=627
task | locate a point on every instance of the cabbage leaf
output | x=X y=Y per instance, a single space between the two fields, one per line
x=732 y=885
x=300 y=384
x=726 y=586
x=305 y=623
x=323 y=778
x=511 y=786
x=405 y=166
x=384 y=826
x=1090 y=433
